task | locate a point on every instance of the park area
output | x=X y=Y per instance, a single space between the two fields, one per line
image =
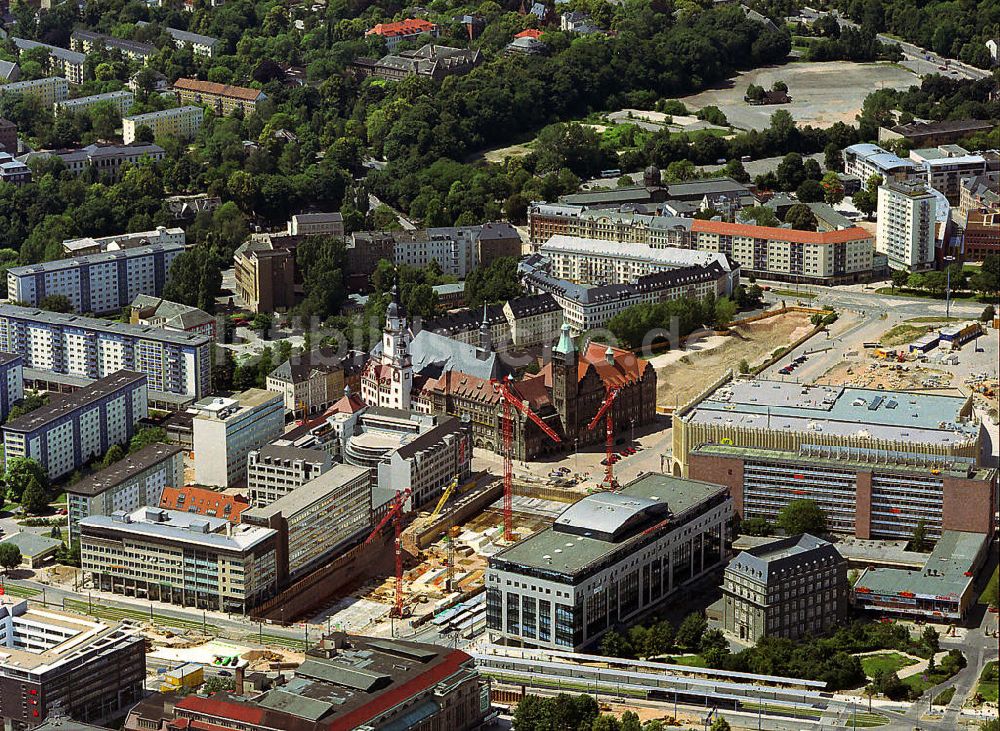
x=682 y=375
x=823 y=93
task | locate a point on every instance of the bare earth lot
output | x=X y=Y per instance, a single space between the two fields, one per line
x=822 y=93
x=685 y=378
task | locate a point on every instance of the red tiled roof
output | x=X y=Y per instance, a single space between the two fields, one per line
x=408 y=27
x=464 y=385
x=215 y=89
x=854 y=233
x=210 y=706
x=627 y=366
x=204 y=502
x=529 y=33
x=348 y=404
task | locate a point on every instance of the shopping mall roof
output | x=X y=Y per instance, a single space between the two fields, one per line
x=786 y=406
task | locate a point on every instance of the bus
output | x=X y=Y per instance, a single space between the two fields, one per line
x=612 y=173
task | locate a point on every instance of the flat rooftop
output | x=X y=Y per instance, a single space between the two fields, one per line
x=104 y=257
x=62 y=404
x=668 y=257
x=785 y=406
x=181 y=527
x=123 y=470
x=305 y=495
x=221 y=408
x=568 y=553
x=948 y=571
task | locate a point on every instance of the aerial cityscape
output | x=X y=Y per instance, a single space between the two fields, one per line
x=538 y=365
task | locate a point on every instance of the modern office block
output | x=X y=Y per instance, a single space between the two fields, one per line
x=607 y=558
x=66 y=344
x=127 y=485
x=227 y=429
x=274 y=471
x=97 y=283
x=74 y=428
x=54 y=663
x=180 y=558
x=182 y=122
x=318 y=520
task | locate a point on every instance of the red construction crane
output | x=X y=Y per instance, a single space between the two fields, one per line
x=395 y=514
x=509 y=399
x=605 y=412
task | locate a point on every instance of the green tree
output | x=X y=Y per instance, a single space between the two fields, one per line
x=216 y=683
x=114 y=454
x=989 y=314
x=10 y=556
x=759 y=215
x=146 y=436
x=20 y=472
x=720 y=724
x=615 y=644
x=34 y=500
x=756 y=527
x=56 y=303
x=712 y=115
x=31 y=401
x=899 y=278
x=630 y=722
x=570 y=145
x=833 y=189
x=919 y=540
x=931 y=638
x=802 y=516
x=810 y=191
x=691 y=630
x=262 y=323
x=195 y=278
x=495 y=283
x=801 y=218
x=743 y=367
x=660 y=639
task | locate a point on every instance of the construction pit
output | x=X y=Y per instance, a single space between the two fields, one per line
x=445 y=565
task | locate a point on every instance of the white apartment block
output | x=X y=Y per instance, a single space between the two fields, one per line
x=273 y=471
x=120 y=100
x=905 y=227
x=316 y=224
x=174 y=363
x=128 y=485
x=181 y=122
x=200 y=45
x=49 y=90
x=227 y=429
x=97 y=283
x=11 y=382
x=71 y=63
x=70 y=431
x=90 y=245
x=865 y=160
x=830 y=257
x=181 y=558
x=317 y=520
x=592 y=261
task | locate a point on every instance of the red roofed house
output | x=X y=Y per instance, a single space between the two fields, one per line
x=203 y=501
x=403 y=30
x=533 y=33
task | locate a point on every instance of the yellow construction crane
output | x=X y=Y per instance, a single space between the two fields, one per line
x=444 y=498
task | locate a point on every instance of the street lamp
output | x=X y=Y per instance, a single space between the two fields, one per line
x=947 y=287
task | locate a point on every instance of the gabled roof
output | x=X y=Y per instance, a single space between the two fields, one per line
x=204 y=501
x=215 y=89
x=348 y=404
x=529 y=33
x=855 y=233
x=627 y=367
x=408 y=27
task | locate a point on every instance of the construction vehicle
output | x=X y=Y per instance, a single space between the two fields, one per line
x=395 y=514
x=508 y=401
x=606 y=413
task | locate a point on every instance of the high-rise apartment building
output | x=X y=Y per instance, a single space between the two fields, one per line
x=121 y=100
x=74 y=428
x=905 y=228
x=11 y=382
x=97 y=283
x=182 y=122
x=51 y=342
x=274 y=471
x=49 y=90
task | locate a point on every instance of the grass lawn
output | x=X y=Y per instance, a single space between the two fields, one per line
x=918 y=682
x=921 y=294
x=885 y=662
x=783 y=710
x=902 y=334
x=867 y=720
x=691 y=661
x=990 y=590
x=988 y=682
x=944 y=697
x=930 y=318
x=793 y=293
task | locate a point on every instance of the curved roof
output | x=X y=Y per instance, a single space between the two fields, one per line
x=608 y=515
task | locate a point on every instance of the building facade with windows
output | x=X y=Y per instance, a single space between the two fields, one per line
x=905 y=229
x=227 y=429
x=70 y=64
x=90 y=245
x=403 y=30
x=865 y=160
x=180 y=558
x=72 y=345
x=58 y=664
x=223 y=99
x=11 y=382
x=121 y=100
x=607 y=559
x=87 y=41
x=793 y=587
x=309 y=382
x=96 y=283
x=181 y=122
x=318 y=520
x=274 y=471
x=136 y=480
x=49 y=90
x=73 y=429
